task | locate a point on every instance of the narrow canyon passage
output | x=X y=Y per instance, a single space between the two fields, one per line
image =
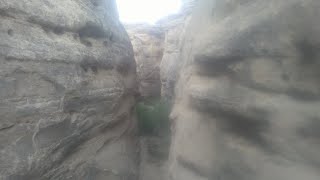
x=157 y=50
x=221 y=90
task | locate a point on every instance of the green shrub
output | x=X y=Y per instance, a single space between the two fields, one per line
x=153 y=117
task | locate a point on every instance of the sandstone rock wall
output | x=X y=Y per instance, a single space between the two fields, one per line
x=148 y=45
x=67 y=79
x=147 y=41
x=175 y=28
x=248 y=95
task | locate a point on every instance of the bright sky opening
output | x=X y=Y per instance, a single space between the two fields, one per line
x=146 y=11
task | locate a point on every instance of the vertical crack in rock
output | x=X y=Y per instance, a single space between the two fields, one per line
x=157 y=51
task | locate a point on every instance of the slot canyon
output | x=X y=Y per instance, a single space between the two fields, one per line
x=222 y=90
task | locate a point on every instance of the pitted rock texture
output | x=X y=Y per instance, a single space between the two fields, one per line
x=67 y=79
x=247 y=102
x=147 y=41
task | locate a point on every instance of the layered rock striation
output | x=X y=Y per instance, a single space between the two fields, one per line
x=147 y=41
x=243 y=78
x=157 y=51
x=247 y=98
x=174 y=28
x=67 y=85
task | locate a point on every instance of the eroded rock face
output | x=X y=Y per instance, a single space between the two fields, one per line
x=67 y=78
x=248 y=96
x=147 y=42
x=175 y=31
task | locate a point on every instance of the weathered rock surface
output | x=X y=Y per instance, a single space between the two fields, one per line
x=174 y=27
x=67 y=79
x=157 y=50
x=247 y=103
x=147 y=42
